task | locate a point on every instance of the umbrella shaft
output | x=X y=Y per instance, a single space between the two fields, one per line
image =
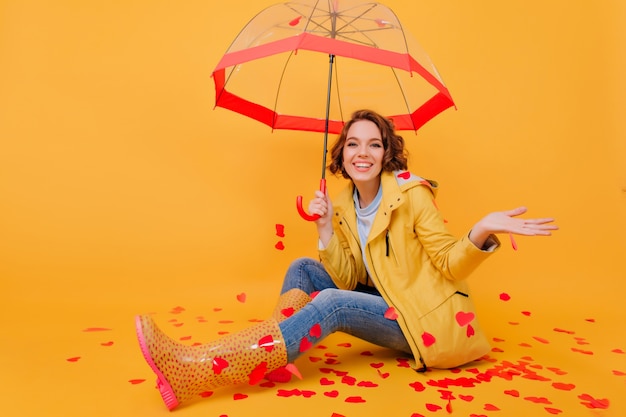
x=331 y=59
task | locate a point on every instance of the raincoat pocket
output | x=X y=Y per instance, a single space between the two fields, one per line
x=451 y=334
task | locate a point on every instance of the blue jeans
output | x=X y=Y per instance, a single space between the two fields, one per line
x=359 y=313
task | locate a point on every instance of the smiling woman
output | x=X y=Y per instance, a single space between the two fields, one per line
x=418 y=275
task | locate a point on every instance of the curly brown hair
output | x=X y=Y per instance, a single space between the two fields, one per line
x=396 y=155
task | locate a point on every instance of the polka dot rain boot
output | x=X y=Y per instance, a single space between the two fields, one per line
x=290 y=303
x=184 y=372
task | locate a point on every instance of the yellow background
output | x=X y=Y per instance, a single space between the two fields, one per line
x=123 y=191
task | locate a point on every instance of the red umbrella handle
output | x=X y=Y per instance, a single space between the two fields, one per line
x=306 y=216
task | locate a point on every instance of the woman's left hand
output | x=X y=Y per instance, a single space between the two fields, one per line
x=507 y=222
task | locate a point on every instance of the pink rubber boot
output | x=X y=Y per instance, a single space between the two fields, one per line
x=183 y=371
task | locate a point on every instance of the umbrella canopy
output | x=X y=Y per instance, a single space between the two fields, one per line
x=276 y=70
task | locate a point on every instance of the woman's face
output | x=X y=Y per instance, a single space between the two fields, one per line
x=363 y=152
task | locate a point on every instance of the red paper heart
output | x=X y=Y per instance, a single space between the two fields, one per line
x=107 y=344
x=305 y=344
x=326 y=381
x=417 y=386
x=377 y=365
x=538 y=400
x=463 y=318
x=491 y=407
x=512 y=393
x=432 y=407
x=316 y=330
x=136 y=381
x=348 y=380
x=467 y=398
x=553 y=410
x=355 y=399
x=219 y=365
x=391 y=314
x=404 y=175
x=267 y=343
x=345 y=344
x=206 y=394
x=280 y=245
x=470 y=331
x=241 y=297
x=308 y=394
x=383 y=375
x=332 y=394
x=280 y=230
x=258 y=373
x=367 y=384
x=74 y=359
x=563 y=386
x=428 y=339
x=239 y=396
x=96 y=329
x=541 y=340
x=505 y=297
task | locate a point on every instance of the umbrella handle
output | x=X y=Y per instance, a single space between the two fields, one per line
x=306 y=216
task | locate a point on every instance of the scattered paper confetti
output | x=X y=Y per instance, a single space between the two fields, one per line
x=391 y=314
x=241 y=297
x=136 y=381
x=96 y=329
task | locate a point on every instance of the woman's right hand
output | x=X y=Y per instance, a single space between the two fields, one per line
x=323 y=207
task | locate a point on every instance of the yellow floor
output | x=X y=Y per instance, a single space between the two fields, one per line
x=82 y=359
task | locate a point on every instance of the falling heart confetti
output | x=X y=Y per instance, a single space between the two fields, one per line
x=428 y=339
x=219 y=365
x=73 y=359
x=591 y=402
x=432 y=407
x=463 y=318
x=106 y=343
x=241 y=297
x=267 y=343
x=305 y=344
x=206 y=394
x=505 y=297
x=136 y=381
x=280 y=230
x=332 y=394
x=96 y=329
x=239 y=396
x=563 y=386
x=391 y=314
x=491 y=407
x=280 y=245
x=316 y=330
x=355 y=399
x=553 y=410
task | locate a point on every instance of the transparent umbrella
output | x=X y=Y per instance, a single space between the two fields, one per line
x=303 y=65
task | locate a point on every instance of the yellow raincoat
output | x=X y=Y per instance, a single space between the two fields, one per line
x=418 y=267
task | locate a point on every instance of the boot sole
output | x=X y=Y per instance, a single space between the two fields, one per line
x=165 y=389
